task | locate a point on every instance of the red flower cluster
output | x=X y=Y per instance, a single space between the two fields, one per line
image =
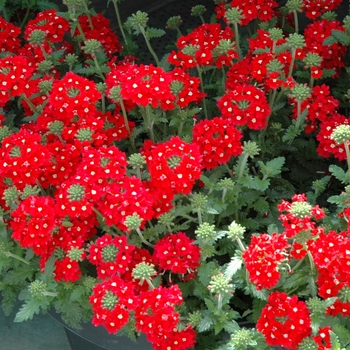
x=285 y=321
x=331 y=257
x=174 y=165
x=9 y=36
x=315 y=8
x=321 y=106
x=177 y=253
x=205 y=42
x=263 y=257
x=332 y=55
x=53 y=25
x=245 y=105
x=300 y=215
x=156 y=316
x=326 y=145
x=218 y=140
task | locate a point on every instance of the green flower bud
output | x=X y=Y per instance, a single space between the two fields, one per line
x=198 y=10
x=71 y=59
x=167 y=219
x=101 y=87
x=114 y=93
x=76 y=254
x=45 y=86
x=274 y=66
x=226 y=184
x=276 y=34
x=89 y=282
x=133 y=222
x=308 y=344
x=91 y=47
x=294 y=5
x=194 y=318
x=138 y=19
x=37 y=289
x=312 y=60
x=176 y=87
x=207 y=251
x=173 y=22
x=15 y=152
x=109 y=253
x=295 y=41
x=301 y=209
x=234 y=15
x=243 y=338
x=316 y=306
x=37 y=37
x=76 y=192
x=84 y=134
x=174 y=161
x=56 y=127
x=219 y=284
x=45 y=66
x=235 y=231
x=199 y=201
x=341 y=134
x=143 y=272
x=137 y=161
x=205 y=232
x=109 y=300
x=300 y=92
x=223 y=47
x=11 y=196
x=250 y=148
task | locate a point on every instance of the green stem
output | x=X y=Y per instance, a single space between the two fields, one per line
x=98 y=68
x=199 y=217
x=143 y=240
x=115 y=3
x=142 y=30
x=312 y=264
x=102 y=219
x=291 y=63
x=220 y=301
x=242 y=166
x=240 y=243
x=88 y=14
x=29 y=102
x=202 y=19
x=202 y=90
x=272 y=98
x=298 y=122
x=311 y=82
x=296 y=21
x=235 y=24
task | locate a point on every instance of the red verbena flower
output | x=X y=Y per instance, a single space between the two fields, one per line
x=285 y=321
x=9 y=36
x=177 y=253
x=245 y=105
x=315 y=8
x=33 y=223
x=218 y=140
x=262 y=258
x=174 y=164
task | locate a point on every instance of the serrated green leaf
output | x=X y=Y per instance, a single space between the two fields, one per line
x=334 y=341
x=329 y=41
x=339 y=173
x=205 y=272
x=154 y=33
x=28 y=310
x=341 y=36
x=233 y=266
x=205 y=324
x=255 y=183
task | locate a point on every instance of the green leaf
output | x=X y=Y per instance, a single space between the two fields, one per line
x=231 y=326
x=28 y=310
x=341 y=36
x=154 y=33
x=46 y=5
x=334 y=341
x=205 y=324
x=339 y=174
x=205 y=272
x=233 y=266
x=255 y=183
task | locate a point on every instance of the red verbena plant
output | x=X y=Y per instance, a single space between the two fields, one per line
x=201 y=199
